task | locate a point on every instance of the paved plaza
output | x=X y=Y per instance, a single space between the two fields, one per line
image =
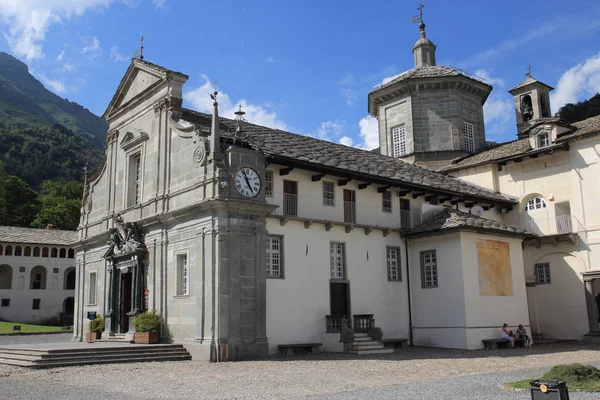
x=411 y=373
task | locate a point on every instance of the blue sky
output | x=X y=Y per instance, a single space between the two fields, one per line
x=305 y=66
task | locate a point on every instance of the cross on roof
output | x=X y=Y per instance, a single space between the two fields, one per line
x=418 y=18
x=528 y=73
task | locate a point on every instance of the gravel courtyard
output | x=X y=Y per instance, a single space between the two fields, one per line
x=416 y=373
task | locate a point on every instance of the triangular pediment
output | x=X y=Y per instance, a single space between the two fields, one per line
x=131 y=139
x=141 y=77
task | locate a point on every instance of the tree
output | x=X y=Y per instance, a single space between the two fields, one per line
x=60 y=205
x=580 y=111
x=18 y=203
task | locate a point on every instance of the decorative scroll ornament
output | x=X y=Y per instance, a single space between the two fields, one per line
x=201 y=152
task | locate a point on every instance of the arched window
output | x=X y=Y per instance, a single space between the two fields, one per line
x=1 y=248
x=18 y=251
x=71 y=253
x=54 y=253
x=62 y=253
x=535 y=203
x=8 y=251
x=38 y=278
x=27 y=252
x=69 y=306
x=36 y=251
x=5 y=277
x=45 y=252
x=69 y=278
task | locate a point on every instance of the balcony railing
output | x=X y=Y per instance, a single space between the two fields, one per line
x=558 y=225
x=314 y=208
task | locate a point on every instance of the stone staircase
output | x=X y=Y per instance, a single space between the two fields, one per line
x=364 y=344
x=85 y=354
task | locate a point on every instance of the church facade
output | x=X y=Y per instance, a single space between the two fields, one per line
x=243 y=238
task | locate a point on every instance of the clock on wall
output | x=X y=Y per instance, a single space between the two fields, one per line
x=247 y=182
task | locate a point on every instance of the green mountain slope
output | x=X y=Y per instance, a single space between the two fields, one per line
x=42 y=136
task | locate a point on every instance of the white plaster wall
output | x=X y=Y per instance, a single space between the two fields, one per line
x=486 y=314
x=439 y=314
x=298 y=303
x=21 y=296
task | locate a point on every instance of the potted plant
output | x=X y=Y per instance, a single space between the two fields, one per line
x=95 y=329
x=147 y=328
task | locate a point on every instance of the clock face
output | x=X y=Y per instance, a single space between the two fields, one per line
x=247 y=182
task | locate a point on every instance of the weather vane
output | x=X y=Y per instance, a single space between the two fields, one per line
x=418 y=18
x=528 y=73
x=140 y=52
x=214 y=95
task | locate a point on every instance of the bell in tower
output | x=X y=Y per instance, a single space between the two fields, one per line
x=532 y=101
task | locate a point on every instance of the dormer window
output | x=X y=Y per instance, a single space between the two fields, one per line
x=543 y=139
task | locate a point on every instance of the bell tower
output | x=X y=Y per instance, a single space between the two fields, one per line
x=532 y=101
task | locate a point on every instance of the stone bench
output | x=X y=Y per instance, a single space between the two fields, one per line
x=395 y=343
x=493 y=344
x=293 y=349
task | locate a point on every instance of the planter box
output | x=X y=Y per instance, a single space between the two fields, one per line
x=90 y=337
x=146 y=337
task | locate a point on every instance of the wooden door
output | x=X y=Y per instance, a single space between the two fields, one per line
x=290 y=198
x=339 y=299
x=125 y=302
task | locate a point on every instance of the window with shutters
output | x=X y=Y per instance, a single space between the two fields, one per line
x=542 y=273
x=274 y=256
x=469 y=136
x=399 y=140
x=182 y=275
x=269 y=183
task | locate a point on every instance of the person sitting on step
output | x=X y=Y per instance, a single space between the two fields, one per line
x=522 y=334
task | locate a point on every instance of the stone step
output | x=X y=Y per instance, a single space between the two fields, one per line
x=86 y=356
x=374 y=346
x=378 y=351
x=368 y=343
x=109 y=360
x=362 y=339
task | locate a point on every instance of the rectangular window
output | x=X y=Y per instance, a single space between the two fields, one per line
x=543 y=140
x=55 y=270
x=429 y=277
x=92 y=294
x=542 y=273
x=329 y=194
x=393 y=264
x=338 y=261
x=5 y=303
x=274 y=257
x=399 y=140
x=22 y=269
x=386 y=202
x=469 y=137
x=134 y=182
x=405 y=219
x=269 y=183
x=182 y=275
x=36 y=304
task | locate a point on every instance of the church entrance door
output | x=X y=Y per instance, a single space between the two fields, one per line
x=124 y=302
x=339 y=293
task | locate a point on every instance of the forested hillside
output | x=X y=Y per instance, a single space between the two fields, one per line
x=581 y=110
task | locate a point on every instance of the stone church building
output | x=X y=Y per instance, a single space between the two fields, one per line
x=244 y=238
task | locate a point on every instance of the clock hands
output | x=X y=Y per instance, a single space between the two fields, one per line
x=247 y=181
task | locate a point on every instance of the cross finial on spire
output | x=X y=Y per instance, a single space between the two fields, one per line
x=420 y=8
x=528 y=73
x=418 y=18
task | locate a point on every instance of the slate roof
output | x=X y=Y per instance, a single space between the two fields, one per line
x=11 y=234
x=529 y=81
x=293 y=148
x=449 y=220
x=522 y=147
x=429 y=71
x=586 y=127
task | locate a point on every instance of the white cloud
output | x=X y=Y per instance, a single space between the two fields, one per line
x=578 y=83
x=369 y=132
x=159 y=3
x=485 y=74
x=255 y=113
x=116 y=56
x=346 y=141
x=329 y=130
x=348 y=92
x=69 y=67
x=272 y=59
x=350 y=96
x=60 y=55
x=56 y=85
x=29 y=21
x=91 y=48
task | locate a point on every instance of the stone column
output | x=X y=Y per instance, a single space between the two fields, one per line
x=592 y=309
x=108 y=326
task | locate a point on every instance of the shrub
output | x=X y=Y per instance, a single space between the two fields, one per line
x=572 y=373
x=147 y=322
x=97 y=324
